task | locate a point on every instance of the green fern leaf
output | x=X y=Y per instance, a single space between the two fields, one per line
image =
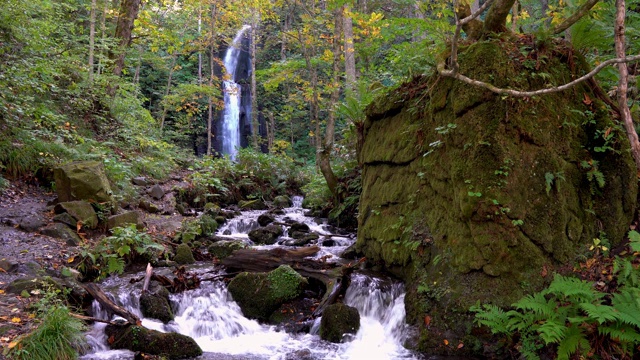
x=621 y=332
x=538 y=304
x=599 y=313
x=552 y=332
x=573 y=288
x=627 y=304
x=573 y=341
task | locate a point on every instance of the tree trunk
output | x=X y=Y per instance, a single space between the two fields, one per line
x=254 y=86
x=349 y=51
x=174 y=58
x=514 y=17
x=497 y=16
x=211 y=69
x=92 y=38
x=128 y=13
x=620 y=44
x=103 y=35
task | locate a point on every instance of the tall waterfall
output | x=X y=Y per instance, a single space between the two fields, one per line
x=230 y=130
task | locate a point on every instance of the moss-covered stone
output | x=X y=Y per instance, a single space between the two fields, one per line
x=80 y=210
x=472 y=194
x=337 y=321
x=138 y=338
x=224 y=248
x=124 y=219
x=267 y=235
x=184 y=255
x=156 y=305
x=63 y=232
x=282 y=201
x=82 y=180
x=260 y=294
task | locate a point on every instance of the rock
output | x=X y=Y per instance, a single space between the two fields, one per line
x=67 y=219
x=184 y=255
x=82 y=180
x=63 y=232
x=31 y=223
x=267 y=235
x=156 y=304
x=224 y=248
x=220 y=219
x=138 y=338
x=80 y=210
x=328 y=243
x=282 y=201
x=8 y=265
x=256 y=204
x=350 y=253
x=31 y=283
x=338 y=320
x=260 y=294
x=149 y=207
x=303 y=239
x=30 y=268
x=140 y=181
x=300 y=227
x=121 y=220
x=212 y=209
x=266 y=219
x=156 y=192
x=208 y=225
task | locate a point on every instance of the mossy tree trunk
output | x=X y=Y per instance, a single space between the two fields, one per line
x=128 y=14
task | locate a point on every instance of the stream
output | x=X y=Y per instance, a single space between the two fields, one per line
x=211 y=317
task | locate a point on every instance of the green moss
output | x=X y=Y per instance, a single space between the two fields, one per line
x=184 y=255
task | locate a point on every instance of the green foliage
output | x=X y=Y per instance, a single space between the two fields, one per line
x=58 y=336
x=111 y=254
x=552 y=178
x=568 y=311
x=594 y=175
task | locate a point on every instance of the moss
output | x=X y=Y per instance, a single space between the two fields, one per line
x=138 y=338
x=470 y=166
x=184 y=255
x=337 y=321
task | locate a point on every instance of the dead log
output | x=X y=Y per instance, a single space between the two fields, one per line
x=89 y=318
x=109 y=305
x=147 y=278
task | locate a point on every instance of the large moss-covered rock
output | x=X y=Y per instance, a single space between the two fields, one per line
x=82 y=180
x=267 y=235
x=138 y=338
x=155 y=304
x=337 y=321
x=63 y=232
x=224 y=248
x=80 y=210
x=184 y=255
x=260 y=294
x=124 y=219
x=473 y=195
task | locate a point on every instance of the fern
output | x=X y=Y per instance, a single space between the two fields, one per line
x=572 y=341
x=627 y=304
x=573 y=289
x=493 y=317
x=599 y=313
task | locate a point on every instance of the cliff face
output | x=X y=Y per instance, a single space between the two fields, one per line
x=471 y=196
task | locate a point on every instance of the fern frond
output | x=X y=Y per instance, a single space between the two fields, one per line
x=599 y=313
x=573 y=341
x=627 y=304
x=552 y=332
x=620 y=332
x=537 y=304
x=573 y=288
x=493 y=317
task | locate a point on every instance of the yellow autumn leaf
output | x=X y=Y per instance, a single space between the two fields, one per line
x=1 y=291
x=16 y=320
x=70 y=260
x=32 y=316
x=12 y=344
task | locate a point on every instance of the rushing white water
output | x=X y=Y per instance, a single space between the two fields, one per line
x=232 y=92
x=210 y=316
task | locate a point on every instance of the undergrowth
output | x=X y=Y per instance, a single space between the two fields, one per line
x=574 y=317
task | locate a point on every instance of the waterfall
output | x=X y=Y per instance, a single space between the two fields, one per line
x=230 y=132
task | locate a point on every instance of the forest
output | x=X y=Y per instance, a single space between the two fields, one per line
x=483 y=156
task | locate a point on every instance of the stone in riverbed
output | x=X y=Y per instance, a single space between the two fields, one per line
x=223 y=248
x=282 y=201
x=266 y=219
x=155 y=304
x=63 y=232
x=82 y=180
x=184 y=255
x=337 y=321
x=80 y=210
x=138 y=338
x=267 y=235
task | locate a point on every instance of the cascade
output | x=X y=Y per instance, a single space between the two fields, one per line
x=211 y=317
x=231 y=114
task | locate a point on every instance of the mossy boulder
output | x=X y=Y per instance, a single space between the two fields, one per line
x=337 y=321
x=267 y=235
x=256 y=204
x=156 y=304
x=266 y=219
x=81 y=211
x=224 y=248
x=260 y=294
x=184 y=255
x=282 y=201
x=124 y=219
x=474 y=195
x=63 y=232
x=82 y=180
x=138 y=338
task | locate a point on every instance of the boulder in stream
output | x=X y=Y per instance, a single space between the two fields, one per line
x=80 y=210
x=337 y=320
x=184 y=255
x=156 y=304
x=139 y=338
x=260 y=294
x=266 y=235
x=282 y=201
x=223 y=248
x=266 y=219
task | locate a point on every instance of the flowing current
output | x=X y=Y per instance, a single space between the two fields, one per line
x=210 y=316
x=231 y=112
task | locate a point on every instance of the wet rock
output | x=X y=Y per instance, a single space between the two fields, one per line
x=299 y=227
x=149 y=207
x=80 y=210
x=184 y=255
x=266 y=219
x=282 y=201
x=30 y=283
x=226 y=232
x=304 y=354
x=350 y=253
x=31 y=223
x=224 y=248
x=256 y=204
x=63 y=232
x=138 y=338
x=181 y=209
x=329 y=243
x=8 y=265
x=66 y=219
x=220 y=219
x=208 y=225
x=156 y=192
x=82 y=180
x=267 y=235
x=121 y=220
x=30 y=268
x=156 y=304
x=337 y=320
x=140 y=181
x=260 y=294
x=303 y=240
x=211 y=209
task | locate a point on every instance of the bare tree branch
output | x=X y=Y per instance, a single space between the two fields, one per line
x=459 y=25
x=579 y=14
x=518 y=93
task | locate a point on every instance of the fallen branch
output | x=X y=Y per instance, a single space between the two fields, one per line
x=109 y=305
x=94 y=319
